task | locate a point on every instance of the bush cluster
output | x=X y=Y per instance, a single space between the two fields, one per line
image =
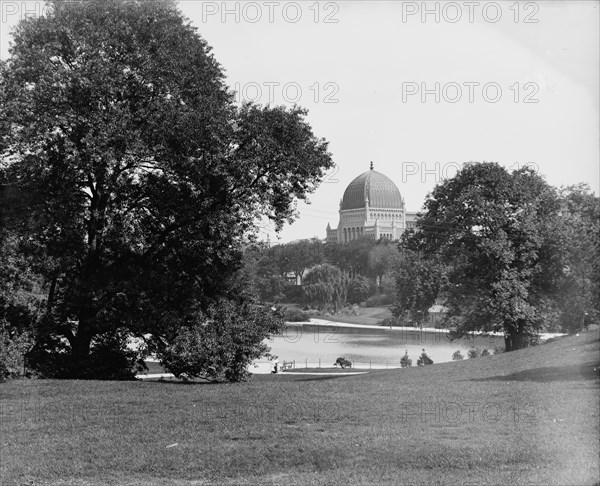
x=295 y=315
x=380 y=300
x=109 y=359
x=343 y=363
x=424 y=359
x=405 y=361
x=13 y=347
x=476 y=353
x=358 y=290
x=221 y=343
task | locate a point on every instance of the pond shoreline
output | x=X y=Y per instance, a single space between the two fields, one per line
x=325 y=323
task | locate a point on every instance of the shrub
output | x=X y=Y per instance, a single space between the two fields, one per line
x=388 y=285
x=390 y=322
x=457 y=356
x=473 y=353
x=221 y=344
x=109 y=359
x=358 y=290
x=424 y=359
x=405 y=361
x=380 y=300
x=13 y=347
x=343 y=363
x=485 y=352
x=295 y=315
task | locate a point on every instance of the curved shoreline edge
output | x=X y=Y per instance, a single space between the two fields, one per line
x=326 y=323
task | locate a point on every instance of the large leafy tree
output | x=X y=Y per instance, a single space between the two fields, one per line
x=495 y=233
x=297 y=256
x=382 y=260
x=137 y=178
x=261 y=272
x=351 y=257
x=419 y=283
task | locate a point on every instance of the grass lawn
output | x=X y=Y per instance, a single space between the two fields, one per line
x=527 y=417
x=370 y=316
x=326 y=370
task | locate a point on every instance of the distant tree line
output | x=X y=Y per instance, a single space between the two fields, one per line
x=330 y=274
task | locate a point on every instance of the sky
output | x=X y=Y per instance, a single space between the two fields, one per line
x=419 y=88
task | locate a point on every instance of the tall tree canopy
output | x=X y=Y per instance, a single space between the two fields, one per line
x=382 y=260
x=495 y=233
x=262 y=273
x=419 y=282
x=296 y=257
x=129 y=173
x=351 y=257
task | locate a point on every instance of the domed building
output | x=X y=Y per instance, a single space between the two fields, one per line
x=371 y=207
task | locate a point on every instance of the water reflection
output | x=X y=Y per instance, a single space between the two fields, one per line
x=307 y=344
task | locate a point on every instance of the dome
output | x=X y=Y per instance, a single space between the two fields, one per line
x=379 y=189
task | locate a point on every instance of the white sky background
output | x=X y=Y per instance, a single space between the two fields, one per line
x=373 y=53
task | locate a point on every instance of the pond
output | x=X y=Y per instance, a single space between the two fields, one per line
x=376 y=347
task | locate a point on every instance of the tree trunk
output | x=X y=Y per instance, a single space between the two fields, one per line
x=520 y=336
x=514 y=339
x=508 y=346
x=80 y=344
x=80 y=347
x=52 y=292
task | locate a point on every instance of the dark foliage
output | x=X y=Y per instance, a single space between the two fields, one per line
x=343 y=363
x=424 y=359
x=129 y=179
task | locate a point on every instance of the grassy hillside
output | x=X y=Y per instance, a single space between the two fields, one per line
x=370 y=316
x=528 y=417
